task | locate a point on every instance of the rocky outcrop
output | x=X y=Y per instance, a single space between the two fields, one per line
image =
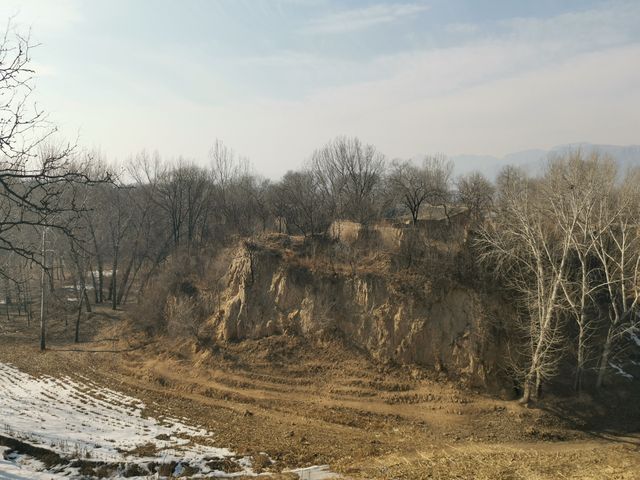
x=391 y=318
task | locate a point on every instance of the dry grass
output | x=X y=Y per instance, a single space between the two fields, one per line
x=512 y=462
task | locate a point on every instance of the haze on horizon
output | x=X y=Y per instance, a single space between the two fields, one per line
x=275 y=79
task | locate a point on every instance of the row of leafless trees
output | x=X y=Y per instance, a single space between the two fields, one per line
x=163 y=207
x=568 y=244
x=349 y=180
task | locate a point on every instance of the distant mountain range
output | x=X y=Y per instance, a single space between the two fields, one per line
x=533 y=161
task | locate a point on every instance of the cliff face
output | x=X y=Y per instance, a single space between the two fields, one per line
x=389 y=317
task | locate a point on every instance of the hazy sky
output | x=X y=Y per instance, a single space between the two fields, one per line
x=275 y=79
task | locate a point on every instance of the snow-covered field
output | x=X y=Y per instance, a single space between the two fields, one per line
x=82 y=420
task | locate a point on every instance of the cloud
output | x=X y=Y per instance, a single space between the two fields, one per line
x=283 y=59
x=585 y=98
x=603 y=26
x=363 y=18
x=508 y=86
x=532 y=84
x=481 y=53
x=43 y=16
x=462 y=28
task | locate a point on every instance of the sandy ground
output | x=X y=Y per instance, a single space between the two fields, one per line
x=320 y=402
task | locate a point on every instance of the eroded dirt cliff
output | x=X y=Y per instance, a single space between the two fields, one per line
x=393 y=316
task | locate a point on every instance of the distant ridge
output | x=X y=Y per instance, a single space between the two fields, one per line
x=533 y=160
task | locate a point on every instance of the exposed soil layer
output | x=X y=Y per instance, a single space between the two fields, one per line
x=273 y=287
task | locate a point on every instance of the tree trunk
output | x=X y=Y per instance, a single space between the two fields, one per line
x=114 y=276
x=100 y=282
x=604 y=359
x=95 y=284
x=62 y=272
x=580 y=362
x=82 y=295
x=133 y=279
x=526 y=394
x=86 y=301
x=27 y=300
x=110 y=291
x=83 y=286
x=42 y=287
x=125 y=279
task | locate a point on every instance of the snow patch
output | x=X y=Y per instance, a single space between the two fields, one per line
x=20 y=467
x=85 y=420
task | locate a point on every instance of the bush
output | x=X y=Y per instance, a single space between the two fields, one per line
x=182 y=296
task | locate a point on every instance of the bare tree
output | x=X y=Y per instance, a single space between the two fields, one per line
x=617 y=246
x=413 y=186
x=476 y=193
x=39 y=181
x=118 y=222
x=23 y=127
x=587 y=181
x=530 y=248
x=410 y=184
x=298 y=200
x=41 y=184
x=231 y=180
x=349 y=175
x=197 y=187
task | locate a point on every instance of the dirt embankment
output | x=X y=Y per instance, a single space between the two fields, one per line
x=392 y=316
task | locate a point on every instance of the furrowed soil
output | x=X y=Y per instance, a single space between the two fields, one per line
x=311 y=402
